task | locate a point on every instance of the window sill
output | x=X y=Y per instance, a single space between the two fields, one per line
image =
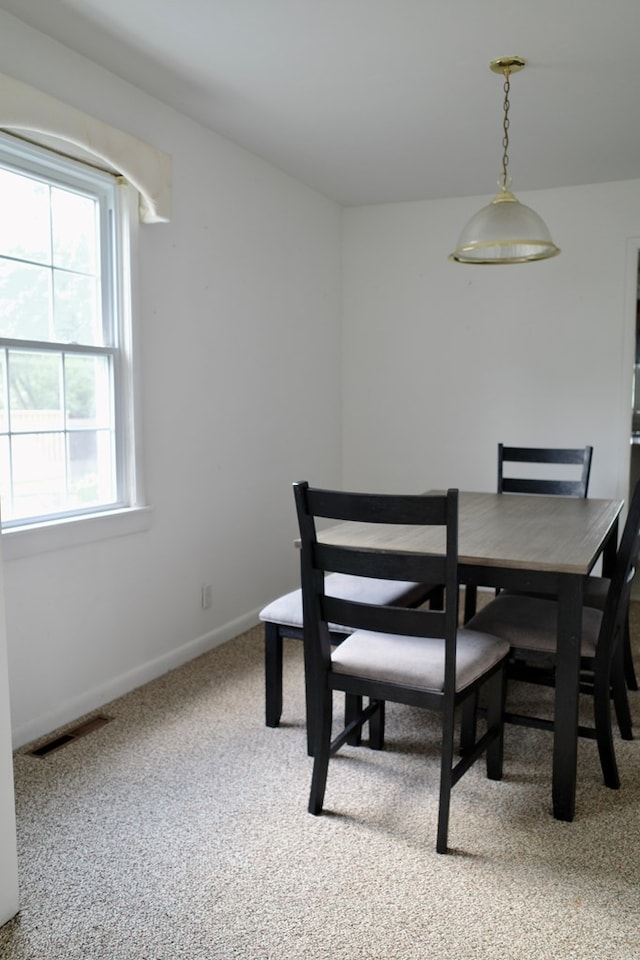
x=61 y=534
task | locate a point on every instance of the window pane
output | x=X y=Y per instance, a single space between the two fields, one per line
x=75 y=309
x=91 y=474
x=88 y=391
x=4 y=425
x=6 y=508
x=25 y=301
x=35 y=391
x=24 y=225
x=39 y=474
x=74 y=227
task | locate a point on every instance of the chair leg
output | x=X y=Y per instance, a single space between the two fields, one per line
x=496 y=697
x=629 y=670
x=604 y=735
x=352 y=708
x=619 y=693
x=468 y=723
x=273 y=674
x=309 y=701
x=376 y=727
x=446 y=778
x=470 y=602
x=322 y=752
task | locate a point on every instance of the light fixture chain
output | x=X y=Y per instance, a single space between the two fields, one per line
x=505 y=128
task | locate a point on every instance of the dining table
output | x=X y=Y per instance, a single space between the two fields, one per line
x=525 y=542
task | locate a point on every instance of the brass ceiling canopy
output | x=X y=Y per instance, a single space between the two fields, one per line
x=510 y=64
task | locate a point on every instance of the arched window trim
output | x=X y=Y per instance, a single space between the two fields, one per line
x=26 y=110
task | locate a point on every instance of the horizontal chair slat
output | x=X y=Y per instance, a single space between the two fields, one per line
x=423 y=567
x=372 y=508
x=551 y=487
x=542 y=455
x=398 y=620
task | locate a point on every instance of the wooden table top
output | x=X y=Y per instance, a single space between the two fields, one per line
x=562 y=534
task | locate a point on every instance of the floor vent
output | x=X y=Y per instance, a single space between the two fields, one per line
x=74 y=734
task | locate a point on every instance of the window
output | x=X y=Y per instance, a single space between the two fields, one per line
x=65 y=376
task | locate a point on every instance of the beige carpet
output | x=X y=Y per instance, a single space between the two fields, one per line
x=179 y=831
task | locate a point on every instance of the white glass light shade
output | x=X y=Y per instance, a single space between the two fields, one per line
x=505 y=231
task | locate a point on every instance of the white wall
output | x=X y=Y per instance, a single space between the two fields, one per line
x=442 y=360
x=239 y=300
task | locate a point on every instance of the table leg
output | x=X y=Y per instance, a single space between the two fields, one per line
x=565 y=740
x=470 y=601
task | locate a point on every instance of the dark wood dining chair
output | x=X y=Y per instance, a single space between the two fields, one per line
x=282 y=619
x=395 y=654
x=530 y=624
x=573 y=483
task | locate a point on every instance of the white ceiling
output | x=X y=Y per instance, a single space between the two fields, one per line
x=382 y=100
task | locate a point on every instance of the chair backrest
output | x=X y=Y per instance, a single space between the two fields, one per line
x=576 y=487
x=617 y=602
x=318 y=558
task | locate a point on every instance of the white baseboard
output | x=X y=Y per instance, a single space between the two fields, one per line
x=90 y=700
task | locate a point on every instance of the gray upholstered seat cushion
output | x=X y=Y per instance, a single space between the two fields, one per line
x=531 y=623
x=416 y=661
x=287 y=610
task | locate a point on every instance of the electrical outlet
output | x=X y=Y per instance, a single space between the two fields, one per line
x=205 y=596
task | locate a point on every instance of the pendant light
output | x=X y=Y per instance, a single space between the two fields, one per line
x=505 y=231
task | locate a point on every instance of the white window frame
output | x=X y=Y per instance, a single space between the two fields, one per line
x=130 y=514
